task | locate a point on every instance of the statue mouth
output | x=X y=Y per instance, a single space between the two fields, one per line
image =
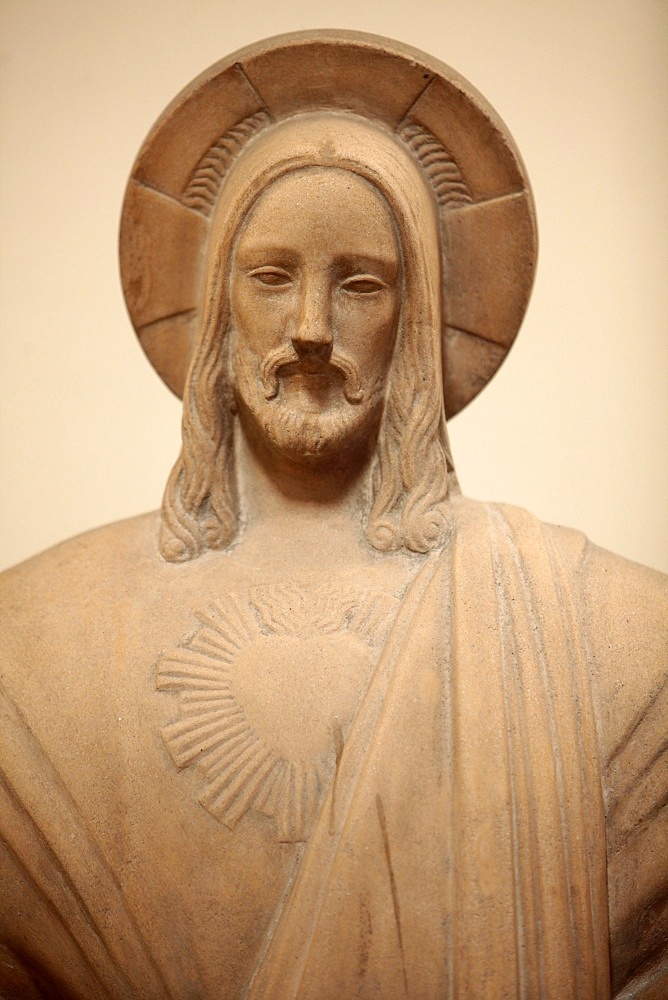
x=315 y=385
x=314 y=373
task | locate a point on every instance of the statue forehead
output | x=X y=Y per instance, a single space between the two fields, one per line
x=319 y=185
x=433 y=114
x=324 y=206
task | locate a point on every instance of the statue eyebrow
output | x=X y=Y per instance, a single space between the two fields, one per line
x=386 y=264
x=259 y=252
x=262 y=252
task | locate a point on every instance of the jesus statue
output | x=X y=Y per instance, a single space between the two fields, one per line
x=322 y=727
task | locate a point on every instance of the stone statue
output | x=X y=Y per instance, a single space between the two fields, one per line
x=323 y=727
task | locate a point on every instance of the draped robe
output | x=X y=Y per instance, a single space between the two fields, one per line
x=460 y=850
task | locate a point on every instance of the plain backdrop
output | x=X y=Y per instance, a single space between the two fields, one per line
x=573 y=426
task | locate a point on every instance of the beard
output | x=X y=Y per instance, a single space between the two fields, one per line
x=307 y=408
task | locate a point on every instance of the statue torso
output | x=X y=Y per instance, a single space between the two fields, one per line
x=151 y=689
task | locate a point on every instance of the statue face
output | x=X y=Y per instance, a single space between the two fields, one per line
x=314 y=295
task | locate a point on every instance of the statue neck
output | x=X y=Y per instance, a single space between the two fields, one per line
x=300 y=504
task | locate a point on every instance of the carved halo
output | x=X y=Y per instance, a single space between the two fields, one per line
x=479 y=182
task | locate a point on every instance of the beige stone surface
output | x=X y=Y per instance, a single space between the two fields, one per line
x=323 y=727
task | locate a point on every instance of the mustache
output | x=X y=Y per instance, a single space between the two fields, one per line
x=286 y=356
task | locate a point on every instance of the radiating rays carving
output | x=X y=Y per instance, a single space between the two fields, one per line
x=266 y=685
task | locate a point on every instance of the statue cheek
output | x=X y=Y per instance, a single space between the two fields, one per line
x=373 y=341
x=262 y=322
x=365 y=320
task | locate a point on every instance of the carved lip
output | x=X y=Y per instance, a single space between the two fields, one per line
x=315 y=376
x=310 y=368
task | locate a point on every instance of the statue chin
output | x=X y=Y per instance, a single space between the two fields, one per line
x=324 y=429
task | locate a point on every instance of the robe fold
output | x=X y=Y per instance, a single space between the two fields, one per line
x=473 y=828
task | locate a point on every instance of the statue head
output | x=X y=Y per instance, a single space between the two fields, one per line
x=319 y=137
x=315 y=288
x=321 y=332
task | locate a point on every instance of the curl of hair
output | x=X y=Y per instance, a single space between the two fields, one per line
x=447 y=183
x=410 y=479
x=206 y=180
x=200 y=508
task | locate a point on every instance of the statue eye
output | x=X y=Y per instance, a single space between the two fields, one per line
x=273 y=277
x=363 y=284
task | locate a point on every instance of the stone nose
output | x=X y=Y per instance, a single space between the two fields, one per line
x=312 y=334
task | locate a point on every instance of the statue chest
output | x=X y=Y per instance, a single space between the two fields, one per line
x=268 y=685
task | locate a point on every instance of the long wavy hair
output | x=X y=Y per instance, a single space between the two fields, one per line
x=412 y=469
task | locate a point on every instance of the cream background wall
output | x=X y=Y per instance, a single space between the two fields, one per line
x=573 y=426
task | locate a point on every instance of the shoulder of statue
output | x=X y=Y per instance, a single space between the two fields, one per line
x=622 y=605
x=86 y=552
x=611 y=590
x=625 y=591
x=47 y=593
x=572 y=544
x=624 y=608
